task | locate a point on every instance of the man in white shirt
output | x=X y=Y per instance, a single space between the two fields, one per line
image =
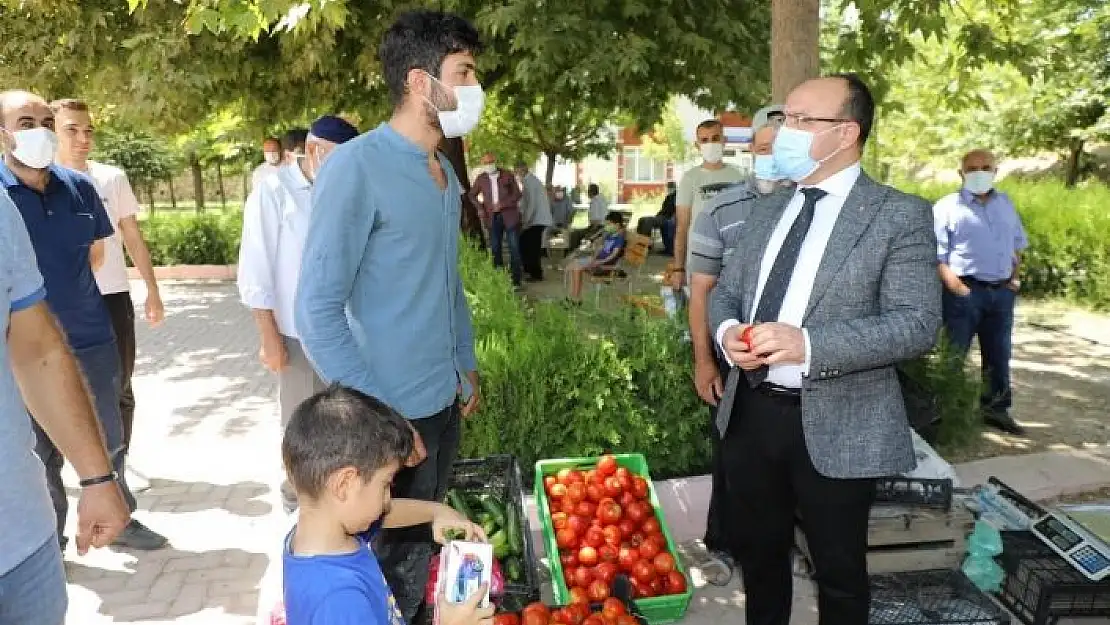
x=697 y=187
x=275 y=222
x=828 y=289
x=74 y=124
x=271 y=152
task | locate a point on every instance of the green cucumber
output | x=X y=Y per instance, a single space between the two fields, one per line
x=500 y=547
x=512 y=532
x=513 y=570
x=494 y=507
x=458 y=502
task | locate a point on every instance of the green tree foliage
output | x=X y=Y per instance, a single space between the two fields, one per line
x=667 y=140
x=147 y=159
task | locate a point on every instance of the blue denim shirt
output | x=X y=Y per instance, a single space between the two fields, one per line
x=380 y=305
x=978 y=239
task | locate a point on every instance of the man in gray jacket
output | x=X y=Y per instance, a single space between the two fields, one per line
x=822 y=297
x=712 y=241
x=535 y=216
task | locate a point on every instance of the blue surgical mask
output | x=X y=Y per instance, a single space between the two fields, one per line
x=979 y=182
x=764 y=167
x=791 y=152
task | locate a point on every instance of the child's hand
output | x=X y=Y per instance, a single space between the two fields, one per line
x=467 y=612
x=447 y=518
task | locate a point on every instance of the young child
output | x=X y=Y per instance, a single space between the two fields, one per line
x=341 y=450
x=612 y=246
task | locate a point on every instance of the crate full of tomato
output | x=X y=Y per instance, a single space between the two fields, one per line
x=601 y=518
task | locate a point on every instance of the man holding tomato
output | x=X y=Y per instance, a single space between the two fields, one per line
x=825 y=294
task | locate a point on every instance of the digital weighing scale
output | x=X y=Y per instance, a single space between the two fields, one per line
x=1080 y=534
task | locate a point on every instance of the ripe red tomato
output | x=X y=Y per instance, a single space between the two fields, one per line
x=648 y=550
x=563 y=476
x=658 y=586
x=639 y=511
x=576 y=492
x=586 y=509
x=613 y=607
x=568 y=559
x=548 y=482
x=587 y=556
x=559 y=520
x=593 y=619
x=627 y=558
x=636 y=539
x=534 y=618
x=594 y=537
x=642 y=570
x=606 y=571
x=576 y=477
x=594 y=493
x=557 y=491
x=625 y=477
x=638 y=588
x=651 y=526
x=583 y=576
x=623 y=472
x=640 y=487
x=746 y=336
x=627 y=499
x=664 y=563
x=567 y=506
x=607 y=465
x=628 y=527
x=589 y=476
x=507 y=618
x=613 y=535
x=539 y=609
x=598 y=591
x=659 y=540
x=609 y=512
x=566 y=539
x=676 y=583
x=607 y=553
x=579 y=610
x=578 y=595
x=613 y=487
x=569 y=574
x=560 y=616
x=577 y=524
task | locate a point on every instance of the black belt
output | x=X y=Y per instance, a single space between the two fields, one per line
x=970 y=281
x=776 y=390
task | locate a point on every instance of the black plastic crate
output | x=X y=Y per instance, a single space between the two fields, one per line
x=1040 y=587
x=500 y=475
x=914 y=491
x=938 y=597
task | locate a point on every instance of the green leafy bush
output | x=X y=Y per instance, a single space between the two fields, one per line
x=189 y=239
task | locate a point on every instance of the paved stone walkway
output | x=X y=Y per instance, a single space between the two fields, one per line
x=207 y=435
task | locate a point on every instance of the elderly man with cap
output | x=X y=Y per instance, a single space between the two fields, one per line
x=275 y=223
x=711 y=241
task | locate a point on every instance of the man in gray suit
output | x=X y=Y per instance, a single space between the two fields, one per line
x=836 y=287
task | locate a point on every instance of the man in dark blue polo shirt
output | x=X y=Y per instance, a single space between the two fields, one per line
x=68 y=224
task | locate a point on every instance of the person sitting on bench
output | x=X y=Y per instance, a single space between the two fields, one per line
x=605 y=261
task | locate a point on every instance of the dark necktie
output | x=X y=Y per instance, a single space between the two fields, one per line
x=778 y=280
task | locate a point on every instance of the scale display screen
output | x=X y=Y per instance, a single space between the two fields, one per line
x=1081 y=544
x=1060 y=534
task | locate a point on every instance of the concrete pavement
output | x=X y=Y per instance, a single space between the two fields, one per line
x=207 y=435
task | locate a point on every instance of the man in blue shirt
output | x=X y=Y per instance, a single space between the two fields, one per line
x=380 y=306
x=979 y=243
x=67 y=224
x=38 y=370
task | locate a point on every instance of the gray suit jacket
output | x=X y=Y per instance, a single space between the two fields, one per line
x=875 y=302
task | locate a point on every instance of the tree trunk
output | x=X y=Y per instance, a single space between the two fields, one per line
x=198 y=183
x=220 y=182
x=1075 y=160
x=471 y=226
x=795 y=45
x=550 y=175
x=150 y=194
x=173 y=195
x=246 y=181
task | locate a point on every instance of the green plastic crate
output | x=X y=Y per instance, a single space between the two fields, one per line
x=657 y=610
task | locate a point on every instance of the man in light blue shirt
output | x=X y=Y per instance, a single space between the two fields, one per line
x=380 y=305
x=979 y=244
x=38 y=369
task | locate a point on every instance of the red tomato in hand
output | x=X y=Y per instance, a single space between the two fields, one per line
x=643 y=571
x=587 y=556
x=598 y=591
x=640 y=487
x=651 y=526
x=594 y=537
x=576 y=492
x=557 y=491
x=676 y=583
x=609 y=512
x=613 y=487
x=607 y=465
x=746 y=336
x=613 y=607
x=627 y=558
x=507 y=618
x=664 y=563
x=583 y=576
x=578 y=595
x=648 y=550
x=594 y=493
x=566 y=538
x=606 y=571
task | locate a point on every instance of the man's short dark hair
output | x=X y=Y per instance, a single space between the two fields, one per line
x=593 y=190
x=338 y=428
x=859 y=106
x=294 y=140
x=271 y=140
x=615 y=217
x=69 y=104
x=421 y=40
x=709 y=123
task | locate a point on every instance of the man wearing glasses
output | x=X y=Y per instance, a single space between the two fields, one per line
x=824 y=294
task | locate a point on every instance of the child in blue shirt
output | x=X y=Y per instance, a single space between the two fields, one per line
x=341 y=450
x=605 y=261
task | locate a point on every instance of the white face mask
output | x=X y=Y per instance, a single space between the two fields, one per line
x=35 y=147
x=272 y=158
x=712 y=152
x=471 y=101
x=979 y=182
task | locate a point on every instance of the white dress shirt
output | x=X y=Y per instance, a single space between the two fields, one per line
x=275 y=223
x=796 y=301
x=262 y=172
